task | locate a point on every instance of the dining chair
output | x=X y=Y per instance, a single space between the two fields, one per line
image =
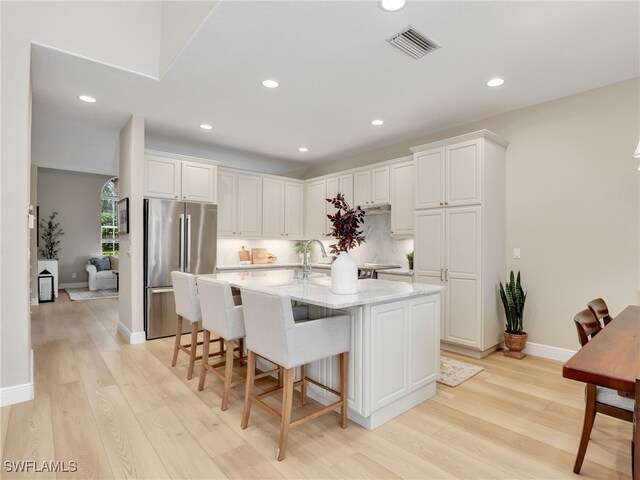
x=597 y=399
x=275 y=334
x=185 y=292
x=600 y=310
x=587 y=326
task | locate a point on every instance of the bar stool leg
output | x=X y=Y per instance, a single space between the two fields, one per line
x=206 y=339
x=228 y=373
x=193 y=349
x=248 y=392
x=176 y=346
x=303 y=385
x=285 y=419
x=344 y=372
x=589 y=417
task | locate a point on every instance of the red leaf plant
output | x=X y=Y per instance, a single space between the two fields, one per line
x=346 y=225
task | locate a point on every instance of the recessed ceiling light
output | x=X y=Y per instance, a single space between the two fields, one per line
x=270 y=83
x=377 y=122
x=495 y=82
x=87 y=98
x=303 y=149
x=392 y=5
x=205 y=126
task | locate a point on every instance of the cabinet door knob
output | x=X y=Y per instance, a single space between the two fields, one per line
x=446 y=203
x=441 y=203
x=175 y=196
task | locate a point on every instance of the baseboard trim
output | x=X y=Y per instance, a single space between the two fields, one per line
x=74 y=285
x=547 y=351
x=34 y=301
x=132 y=338
x=18 y=393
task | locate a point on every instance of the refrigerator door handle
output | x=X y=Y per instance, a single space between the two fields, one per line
x=181 y=242
x=187 y=240
x=161 y=290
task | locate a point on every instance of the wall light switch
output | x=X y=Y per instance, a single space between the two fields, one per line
x=74 y=275
x=516 y=253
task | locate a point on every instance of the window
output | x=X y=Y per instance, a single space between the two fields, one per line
x=109 y=237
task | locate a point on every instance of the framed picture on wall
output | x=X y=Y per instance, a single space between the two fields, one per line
x=123 y=215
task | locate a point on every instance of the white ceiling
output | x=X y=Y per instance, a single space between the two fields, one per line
x=336 y=74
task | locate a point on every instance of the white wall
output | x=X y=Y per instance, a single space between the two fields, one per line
x=103 y=31
x=572 y=202
x=76 y=198
x=131 y=245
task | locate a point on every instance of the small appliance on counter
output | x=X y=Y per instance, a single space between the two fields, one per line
x=370 y=270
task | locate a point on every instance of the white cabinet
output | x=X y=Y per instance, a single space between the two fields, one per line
x=172 y=176
x=449 y=176
x=282 y=208
x=293 y=210
x=272 y=208
x=339 y=184
x=198 y=182
x=462 y=243
x=371 y=186
x=401 y=360
x=316 y=209
x=239 y=204
x=450 y=249
x=402 y=198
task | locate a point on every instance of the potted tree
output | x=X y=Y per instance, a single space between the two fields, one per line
x=346 y=227
x=513 y=298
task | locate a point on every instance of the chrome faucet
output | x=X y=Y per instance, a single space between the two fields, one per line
x=305 y=264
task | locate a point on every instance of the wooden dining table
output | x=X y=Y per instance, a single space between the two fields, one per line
x=612 y=359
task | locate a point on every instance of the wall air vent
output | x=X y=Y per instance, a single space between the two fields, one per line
x=413 y=43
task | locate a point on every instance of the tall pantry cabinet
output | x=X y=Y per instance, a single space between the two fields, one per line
x=460 y=235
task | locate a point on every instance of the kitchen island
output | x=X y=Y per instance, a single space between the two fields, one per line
x=395 y=339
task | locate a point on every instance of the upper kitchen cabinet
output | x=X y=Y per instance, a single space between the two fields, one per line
x=371 y=186
x=179 y=178
x=282 y=208
x=451 y=174
x=239 y=204
x=339 y=184
x=316 y=208
x=402 y=198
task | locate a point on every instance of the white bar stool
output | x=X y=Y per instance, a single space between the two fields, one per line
x=222 y=314
x=273 y=333
x=185 y=293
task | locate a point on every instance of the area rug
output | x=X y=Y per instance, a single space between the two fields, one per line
x=85 y=294
x=454 y=372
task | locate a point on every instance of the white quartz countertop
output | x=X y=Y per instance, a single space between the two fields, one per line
x=258 y=266
x=316 y=290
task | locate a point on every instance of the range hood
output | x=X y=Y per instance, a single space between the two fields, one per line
x=376 y=209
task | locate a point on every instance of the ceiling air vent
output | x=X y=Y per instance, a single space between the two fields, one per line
x=413 y=43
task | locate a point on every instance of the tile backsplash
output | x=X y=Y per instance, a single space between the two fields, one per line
x=379 y=247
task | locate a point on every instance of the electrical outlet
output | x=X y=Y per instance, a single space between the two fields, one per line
x=74 y=275
x=516 y=253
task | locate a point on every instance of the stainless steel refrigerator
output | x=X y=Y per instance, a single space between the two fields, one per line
x=178 y=236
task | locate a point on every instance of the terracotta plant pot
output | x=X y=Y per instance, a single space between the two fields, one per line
x=515 y=345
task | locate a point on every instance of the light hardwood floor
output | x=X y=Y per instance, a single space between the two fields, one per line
x=121 y=411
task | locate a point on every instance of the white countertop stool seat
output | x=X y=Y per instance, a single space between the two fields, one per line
x=274 y=333
x=221 y=315
x=187 y=301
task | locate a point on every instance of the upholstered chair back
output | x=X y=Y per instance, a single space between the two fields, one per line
x=185 y=293
x=220 y=314
x=268 y=320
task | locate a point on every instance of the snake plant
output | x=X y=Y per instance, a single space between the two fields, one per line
x=513 y=298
